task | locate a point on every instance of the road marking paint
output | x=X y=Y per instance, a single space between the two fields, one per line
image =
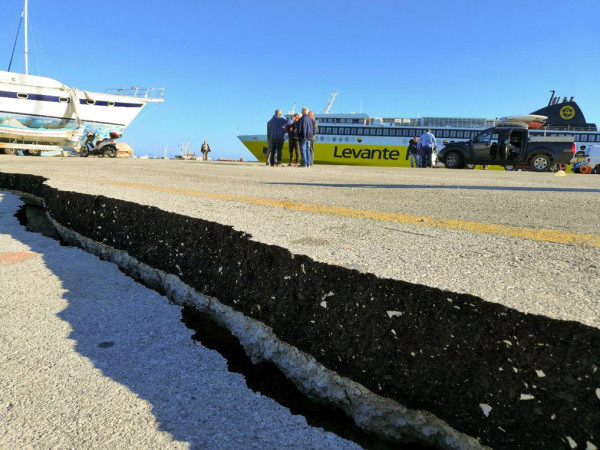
x=7 y=258
x=535 y=234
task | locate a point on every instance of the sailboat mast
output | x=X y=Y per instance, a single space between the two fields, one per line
x=26 y=51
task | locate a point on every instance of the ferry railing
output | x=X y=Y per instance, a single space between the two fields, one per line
x=156 y=94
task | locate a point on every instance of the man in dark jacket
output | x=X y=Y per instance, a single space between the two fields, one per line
x=412 y=152
x=314 y=138
x=205 y=148
x=275 y=137
x=292 y=130
x=305 y=135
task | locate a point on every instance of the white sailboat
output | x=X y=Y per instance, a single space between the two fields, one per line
x=39 y=110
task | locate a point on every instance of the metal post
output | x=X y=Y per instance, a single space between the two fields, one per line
x=26 y=52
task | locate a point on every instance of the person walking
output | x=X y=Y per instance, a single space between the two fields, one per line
x=305 y=135
x=275 y=138
x=314 y=138
x=205 y=148
x=292 y=130
x=426 y=146
x=411 y=152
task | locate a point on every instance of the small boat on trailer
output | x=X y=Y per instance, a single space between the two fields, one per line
x=42 y=111
x=15 y=136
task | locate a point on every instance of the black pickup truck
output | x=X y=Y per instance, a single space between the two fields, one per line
x=509 y=145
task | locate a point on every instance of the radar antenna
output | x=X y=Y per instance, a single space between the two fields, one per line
x=551 y=97
x=330 y=101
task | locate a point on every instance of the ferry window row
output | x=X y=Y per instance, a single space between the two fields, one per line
x=441 y=134
x=398 y=132
x=340 y=120
x=577 y=137
x=588 y=138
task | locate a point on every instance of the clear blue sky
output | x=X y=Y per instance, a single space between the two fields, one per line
x=228 y=64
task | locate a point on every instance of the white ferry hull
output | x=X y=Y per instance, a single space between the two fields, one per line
x=359 y=139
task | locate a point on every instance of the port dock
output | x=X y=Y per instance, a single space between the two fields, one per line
x=457 y=309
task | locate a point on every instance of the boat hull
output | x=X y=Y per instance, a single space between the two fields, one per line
x=46 y=109
x=355 y=154
x=19 y=134
x=40 y=129
x=40 y=103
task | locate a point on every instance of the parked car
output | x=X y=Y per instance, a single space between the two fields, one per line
x=509 y=144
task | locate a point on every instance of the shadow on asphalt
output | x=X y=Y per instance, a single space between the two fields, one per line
x=449 y=187
x=123 y=330
x=124 y=335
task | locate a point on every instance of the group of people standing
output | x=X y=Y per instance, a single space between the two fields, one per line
x=302 y=132
x=421 y=150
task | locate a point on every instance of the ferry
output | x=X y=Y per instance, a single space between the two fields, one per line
x=362 y=140
x=37 y=111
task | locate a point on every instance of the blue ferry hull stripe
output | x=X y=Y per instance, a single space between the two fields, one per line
x=50 y=98
x=39 y=97
x=117 y=104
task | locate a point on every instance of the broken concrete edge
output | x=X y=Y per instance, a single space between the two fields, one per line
x=508 y=378
x=381 y=416
x=28 y=198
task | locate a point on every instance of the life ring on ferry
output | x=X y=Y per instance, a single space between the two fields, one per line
x=585 y=169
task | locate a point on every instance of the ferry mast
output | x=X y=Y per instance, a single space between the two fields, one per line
x=330 y=101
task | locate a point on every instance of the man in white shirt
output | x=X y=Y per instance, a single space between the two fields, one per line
x=426 y=147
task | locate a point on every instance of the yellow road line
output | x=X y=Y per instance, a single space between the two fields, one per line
x=535 y=234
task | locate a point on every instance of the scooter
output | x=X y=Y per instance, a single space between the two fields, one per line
x=106 y=147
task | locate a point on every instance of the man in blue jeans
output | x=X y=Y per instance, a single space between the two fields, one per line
x=426 y=146
x=275 y=138
x=305 y=135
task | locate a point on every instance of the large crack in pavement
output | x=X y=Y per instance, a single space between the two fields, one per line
x=405 y=361
x=264 y=377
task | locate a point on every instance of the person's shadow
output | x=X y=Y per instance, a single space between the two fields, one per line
x=136 y=338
